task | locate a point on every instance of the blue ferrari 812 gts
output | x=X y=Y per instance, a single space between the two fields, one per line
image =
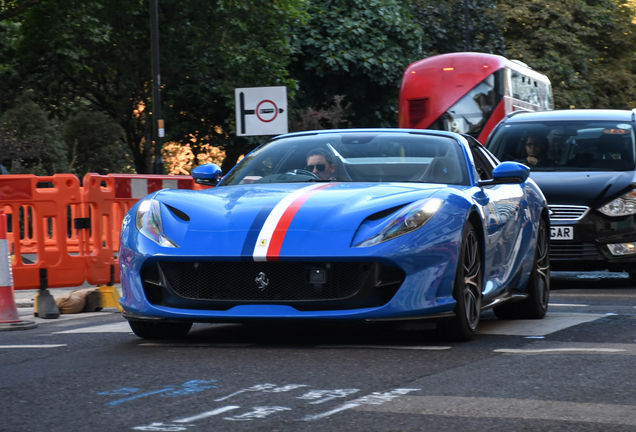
x=375 y=225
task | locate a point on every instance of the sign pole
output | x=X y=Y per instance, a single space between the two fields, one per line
x=157 y=123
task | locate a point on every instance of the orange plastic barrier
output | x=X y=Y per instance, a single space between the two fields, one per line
x=107 y=199
x=46 y=250
x=62 y=234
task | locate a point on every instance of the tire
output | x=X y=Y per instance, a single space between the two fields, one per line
x=466 y=291
x=535 y=305
x=160 y=330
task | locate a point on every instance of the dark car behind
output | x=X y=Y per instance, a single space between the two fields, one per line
x=587 y=173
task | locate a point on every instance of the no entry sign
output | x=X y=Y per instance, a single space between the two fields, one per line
x=261 y=111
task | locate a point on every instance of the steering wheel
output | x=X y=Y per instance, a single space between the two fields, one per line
x=303 y=172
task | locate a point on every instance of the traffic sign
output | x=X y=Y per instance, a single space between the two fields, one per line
x=261 y=111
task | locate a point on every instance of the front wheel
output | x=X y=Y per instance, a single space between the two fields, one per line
x=466 y=290
x=160 y=330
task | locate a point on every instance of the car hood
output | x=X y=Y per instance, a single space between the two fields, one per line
x=329 y=207
x=592 y=189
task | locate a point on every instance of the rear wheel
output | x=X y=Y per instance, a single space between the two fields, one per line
x=466 y=291
x=160 y=330
x=535 y=305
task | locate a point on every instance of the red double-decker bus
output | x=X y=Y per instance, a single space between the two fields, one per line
x=469 y=92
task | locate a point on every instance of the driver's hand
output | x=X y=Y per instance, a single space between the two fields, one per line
x=532 y=160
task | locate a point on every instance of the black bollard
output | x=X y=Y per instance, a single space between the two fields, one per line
x=45 y=303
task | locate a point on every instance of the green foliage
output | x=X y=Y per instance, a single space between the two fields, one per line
x=77 y=54
x=585 y=47
x=31 y=144
x=356 y=49
x=95 y=144
x=444 y=24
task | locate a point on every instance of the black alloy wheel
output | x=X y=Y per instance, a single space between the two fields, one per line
x=535 y=306
x=466 y=291
x=160 y=330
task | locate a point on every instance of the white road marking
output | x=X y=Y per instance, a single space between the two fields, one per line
x=208 y=414
x=120 y=327
x=322 y=396
x=30 y=346
x=375 y=398
x=567 y=305
x=258 y=413
x=600 y=294
x=558 y=350
x=396 y=347
x=331 y=412
x=552 y=322
x=254 y=388
x=532 y=409
x=196 y=345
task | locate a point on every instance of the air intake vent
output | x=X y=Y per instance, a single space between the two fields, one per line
x=417 y=111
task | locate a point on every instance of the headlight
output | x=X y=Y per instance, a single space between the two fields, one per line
x=622 y=206
x=407 y=220
x=148 y=222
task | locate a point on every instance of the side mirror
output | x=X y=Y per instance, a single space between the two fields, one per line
x=507 y=173
x=208 y=174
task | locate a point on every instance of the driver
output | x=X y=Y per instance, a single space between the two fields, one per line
x=319 y=163
x=537 y=151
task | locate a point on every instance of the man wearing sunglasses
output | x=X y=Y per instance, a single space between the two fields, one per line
x=319 y=162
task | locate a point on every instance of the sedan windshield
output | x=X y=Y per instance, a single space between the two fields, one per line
x=566 y=146
x=354 y=156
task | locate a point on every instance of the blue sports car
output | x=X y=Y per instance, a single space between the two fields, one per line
x=374 y=225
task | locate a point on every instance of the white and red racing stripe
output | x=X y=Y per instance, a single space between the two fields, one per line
x=270 y=238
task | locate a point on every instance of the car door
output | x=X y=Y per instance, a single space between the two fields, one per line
x=504 y=212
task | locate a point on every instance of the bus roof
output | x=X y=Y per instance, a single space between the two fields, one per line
x=479 y=65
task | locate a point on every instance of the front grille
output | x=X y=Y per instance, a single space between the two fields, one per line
x=574 y=251
x=221 y=285
x=567 y=213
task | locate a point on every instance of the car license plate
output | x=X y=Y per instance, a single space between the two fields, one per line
x=562 y=233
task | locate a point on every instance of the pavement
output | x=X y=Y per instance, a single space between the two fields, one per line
x=25 y=300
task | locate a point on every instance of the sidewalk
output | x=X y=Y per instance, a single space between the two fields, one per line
x=24 y=298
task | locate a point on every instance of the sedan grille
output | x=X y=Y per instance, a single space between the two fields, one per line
x=574 y=251
x=567 y=213
x=222 y=285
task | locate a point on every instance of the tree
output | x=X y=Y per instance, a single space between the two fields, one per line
x=30 y=143
x=12 y=8
x=444 y=25
x=95 y=143
x=353 y=52
x=79 y=55
x=585 y=47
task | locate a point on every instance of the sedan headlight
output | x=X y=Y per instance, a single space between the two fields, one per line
x=621 y=206
x=407 y=220
x=148 y=222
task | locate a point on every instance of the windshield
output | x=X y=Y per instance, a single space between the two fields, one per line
x=354 y=156
x=566 y=146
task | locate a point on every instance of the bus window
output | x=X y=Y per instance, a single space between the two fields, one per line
x=471 y=112
x=524 y=88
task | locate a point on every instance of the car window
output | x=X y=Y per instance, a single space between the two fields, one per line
x=355 y=156
x=566 y=146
